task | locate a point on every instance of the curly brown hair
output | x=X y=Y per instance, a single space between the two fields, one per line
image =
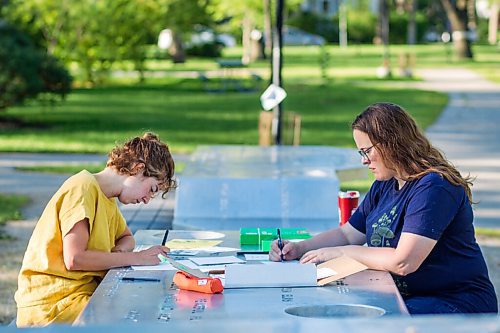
x=150 y=151
x=403 y=146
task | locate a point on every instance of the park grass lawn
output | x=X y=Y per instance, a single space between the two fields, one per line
x=93 y=120
x=178 y=108
x=362 y=60
x=10 y=209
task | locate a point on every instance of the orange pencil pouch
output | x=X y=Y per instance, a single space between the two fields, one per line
x=207 y=285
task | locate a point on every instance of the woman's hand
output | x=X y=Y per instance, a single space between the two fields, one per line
x=150 y=256
x=321 y=255
x=290 y=251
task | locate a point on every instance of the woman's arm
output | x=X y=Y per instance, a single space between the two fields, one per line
x=344 y=235
x=78 y=258
x=406 y=258
x=124 y=243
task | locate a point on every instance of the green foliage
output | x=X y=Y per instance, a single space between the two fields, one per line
x=27 y=72
x=183 y=15
x=95 y=34
x=398 y=26
x=209 y=50
x=315 y=24
x=361 y=26
x=482 y=30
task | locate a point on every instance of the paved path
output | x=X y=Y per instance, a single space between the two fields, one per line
x=468 y=131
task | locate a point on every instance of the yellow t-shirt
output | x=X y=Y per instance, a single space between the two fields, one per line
x=47 y=291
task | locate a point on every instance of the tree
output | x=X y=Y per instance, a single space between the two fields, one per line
x=27 y=72
x=459 y=13
x=92 y=33
x=493 y=22
x=181 y=17
x=412 y=22
x=383 y=37
x=248 y=15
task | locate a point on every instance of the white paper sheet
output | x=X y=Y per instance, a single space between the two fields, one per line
x=163 y=266
x=218 y=249
x=257 y=257
x=325 y=272
x=204 y=269
x=201 y=261
x=274 y=274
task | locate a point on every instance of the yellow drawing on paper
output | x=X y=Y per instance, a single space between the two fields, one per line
x=189 y=244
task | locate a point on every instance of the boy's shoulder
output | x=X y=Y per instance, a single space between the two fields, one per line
x=83 y=179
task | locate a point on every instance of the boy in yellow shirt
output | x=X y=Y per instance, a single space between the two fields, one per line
x=82 y=233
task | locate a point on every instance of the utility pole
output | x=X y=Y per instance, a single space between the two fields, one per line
x=276 y=70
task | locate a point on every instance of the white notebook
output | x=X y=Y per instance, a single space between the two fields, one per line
x=276 y=274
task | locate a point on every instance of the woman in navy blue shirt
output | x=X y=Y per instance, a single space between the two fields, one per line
x=416 y=220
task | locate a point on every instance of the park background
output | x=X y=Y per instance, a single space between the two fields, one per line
x=78 y=76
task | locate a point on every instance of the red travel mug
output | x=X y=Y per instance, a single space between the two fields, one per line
x=348 y=202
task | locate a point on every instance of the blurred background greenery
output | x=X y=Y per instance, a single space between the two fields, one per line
x=78 y=75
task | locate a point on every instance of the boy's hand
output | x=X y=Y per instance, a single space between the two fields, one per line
x=120 y=248
x=150 y=256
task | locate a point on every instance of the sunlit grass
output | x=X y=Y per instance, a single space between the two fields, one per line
x=93 y=120
x=10 y=209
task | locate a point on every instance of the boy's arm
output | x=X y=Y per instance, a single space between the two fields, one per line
x=78 y=258
x=124 y=243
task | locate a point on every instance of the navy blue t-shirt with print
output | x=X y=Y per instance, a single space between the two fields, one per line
x=431 y=206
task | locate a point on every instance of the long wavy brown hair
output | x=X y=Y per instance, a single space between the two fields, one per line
x=150 y=151
x=403 y=146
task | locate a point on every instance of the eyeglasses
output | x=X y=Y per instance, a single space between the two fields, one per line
x=364 y=152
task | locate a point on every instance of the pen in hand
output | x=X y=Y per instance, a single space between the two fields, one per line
x=280 y=245
x=164 y=241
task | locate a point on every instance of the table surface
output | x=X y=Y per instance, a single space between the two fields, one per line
x=365 y=294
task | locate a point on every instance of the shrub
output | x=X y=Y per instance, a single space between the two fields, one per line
x=208 y=50
x=315 y=24
x=26 y=71
x=398 y=27
x=361 y=26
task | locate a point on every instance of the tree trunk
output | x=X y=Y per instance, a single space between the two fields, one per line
x=176 y=51
x=382 y=31
x=493 y=23
x=457 y=14
x=471 y=15
x=412 y=23
x=246 y=40
x=268 y=38
x=383 y=23
x=342 y=24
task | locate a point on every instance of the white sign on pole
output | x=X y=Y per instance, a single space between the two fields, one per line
x=272 y=96
x=165 y=39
